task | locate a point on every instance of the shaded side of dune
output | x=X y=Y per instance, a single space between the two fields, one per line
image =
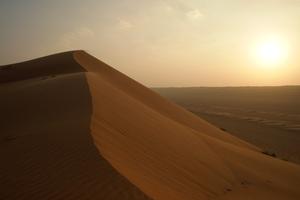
x=48 y=66
x=46 y=150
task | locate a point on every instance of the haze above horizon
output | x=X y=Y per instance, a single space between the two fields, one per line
x=164 y=43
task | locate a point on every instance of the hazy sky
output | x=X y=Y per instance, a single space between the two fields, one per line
x=161 y=42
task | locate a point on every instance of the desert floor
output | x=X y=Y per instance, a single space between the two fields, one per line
x=268 y=117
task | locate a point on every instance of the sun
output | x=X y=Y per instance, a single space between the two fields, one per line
x=271 y=52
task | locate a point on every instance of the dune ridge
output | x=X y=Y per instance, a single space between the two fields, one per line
x=162 y=150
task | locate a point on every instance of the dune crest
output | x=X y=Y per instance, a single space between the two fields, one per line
x=161 y=149
x=170 y=153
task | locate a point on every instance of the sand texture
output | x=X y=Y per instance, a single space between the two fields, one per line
x=266 y=116
x=72 y=127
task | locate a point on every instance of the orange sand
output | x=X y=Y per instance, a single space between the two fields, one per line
x=154 y=146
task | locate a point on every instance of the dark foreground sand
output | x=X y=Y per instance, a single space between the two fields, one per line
x=74 y=128
x=46 y=149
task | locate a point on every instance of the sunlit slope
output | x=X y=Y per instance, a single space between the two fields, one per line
x=171 y=154
x=152 y=99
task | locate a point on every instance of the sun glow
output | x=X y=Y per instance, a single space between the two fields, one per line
x=271 y=52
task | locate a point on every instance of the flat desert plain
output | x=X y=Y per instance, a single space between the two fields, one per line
x=268 y=117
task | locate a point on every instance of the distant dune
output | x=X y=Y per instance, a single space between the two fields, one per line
x=72 y=127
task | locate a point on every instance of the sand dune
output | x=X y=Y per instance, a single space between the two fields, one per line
x=147 y=146
x=46 y=149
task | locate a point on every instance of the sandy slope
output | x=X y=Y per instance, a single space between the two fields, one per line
x=46 y=150
x=165 y=151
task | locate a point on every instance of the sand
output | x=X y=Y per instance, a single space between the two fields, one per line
x=46 y=149
x=254 y=114
x=87 y=131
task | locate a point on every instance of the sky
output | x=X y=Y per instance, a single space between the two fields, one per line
x=163 y=43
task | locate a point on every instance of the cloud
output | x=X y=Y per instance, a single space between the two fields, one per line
x=176 y=4
x=188 y=9
x=77 y=38
x=124 y=24
x=194 y=14
x=169 y=8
